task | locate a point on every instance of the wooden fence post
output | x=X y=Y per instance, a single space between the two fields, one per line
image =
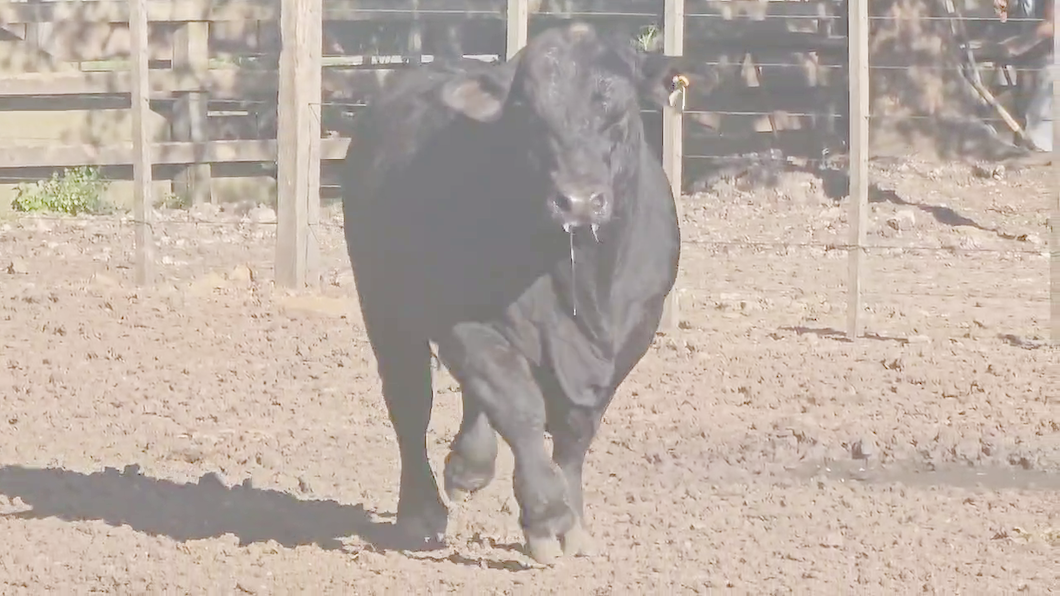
x=143 y=208
x=33 y=40
x=298 y=142
x=858 y=78
x=673 y=136
x=518 y=19
x=415 y=45
x=191 y=57
x=1054 y=224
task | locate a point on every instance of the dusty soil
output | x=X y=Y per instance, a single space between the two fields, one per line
x=215 y=435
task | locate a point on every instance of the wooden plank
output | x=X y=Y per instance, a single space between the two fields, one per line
x=32 y=37
x=163 y=83
x=641 y=8
x=117 y=11
x=298 y=161
x=673 y=136
x=382 y=10
x=191 y=56
x=175 y=153
x=141 y=141
x=414 y=51
x=859 y=158
x=1054 y=233
x=313 y=114
x=518 y=19
x=222 y=83
x=88 y=42
x=226 y=83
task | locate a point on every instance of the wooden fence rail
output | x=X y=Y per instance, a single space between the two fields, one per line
x=174 y=153
x=118 y=11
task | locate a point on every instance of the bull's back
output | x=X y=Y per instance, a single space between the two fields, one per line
x=388 y=132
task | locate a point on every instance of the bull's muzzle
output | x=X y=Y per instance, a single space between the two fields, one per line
x=590 y=208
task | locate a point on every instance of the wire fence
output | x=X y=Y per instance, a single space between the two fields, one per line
x=710 y=128
x=243 y=221
x=797 y=250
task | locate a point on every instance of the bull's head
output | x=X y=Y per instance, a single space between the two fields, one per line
x=572 y=100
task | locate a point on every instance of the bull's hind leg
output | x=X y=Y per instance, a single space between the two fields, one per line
x=499 y=378
x=471 y=462
x=405 y=369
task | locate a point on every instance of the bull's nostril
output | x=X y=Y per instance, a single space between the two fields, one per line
x=597 y=201
x=562 y=203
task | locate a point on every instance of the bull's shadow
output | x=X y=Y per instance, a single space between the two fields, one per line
x=207 y=509
x=204 y=509
x=836 y=185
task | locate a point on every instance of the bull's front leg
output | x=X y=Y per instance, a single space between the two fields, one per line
x=573 y=429
x=471 y=463
x=498 y=377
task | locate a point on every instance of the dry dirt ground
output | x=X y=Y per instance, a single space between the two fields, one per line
x=213 y=435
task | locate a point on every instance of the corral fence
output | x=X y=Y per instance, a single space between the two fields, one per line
x=794 y=78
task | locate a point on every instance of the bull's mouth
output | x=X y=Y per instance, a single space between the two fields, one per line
x=594 y=228
x=571 y=223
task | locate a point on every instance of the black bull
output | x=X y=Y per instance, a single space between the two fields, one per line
x=514 y=215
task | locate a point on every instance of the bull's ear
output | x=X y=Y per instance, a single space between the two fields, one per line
x=479 y=97
x=655 y=77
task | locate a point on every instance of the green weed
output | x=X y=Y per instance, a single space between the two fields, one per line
x=76 y=190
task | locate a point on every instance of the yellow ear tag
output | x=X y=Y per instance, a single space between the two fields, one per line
x=677 y=96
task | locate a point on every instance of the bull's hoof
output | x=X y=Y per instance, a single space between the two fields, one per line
x=462 y=491
x=578 y=542
x=464 y=478
x=414 y=539
x=457 y=495
x=418 y=533
x=545 y=550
